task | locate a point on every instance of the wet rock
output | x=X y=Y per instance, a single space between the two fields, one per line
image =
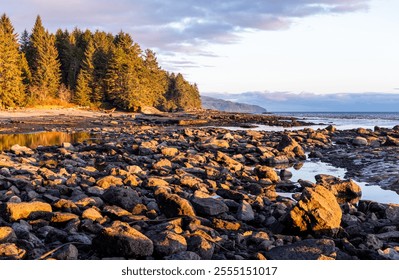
x=169 y=243
x=121 y=240
x=285 y=174
x=23 y=210
x=126 y=198
x=309 y=249
x=7 y=235
x=173 y=205
x=209 y=206
x=245 y=212
x=317 y=211
x=10 y=251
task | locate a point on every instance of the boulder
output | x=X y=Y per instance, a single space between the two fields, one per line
x=317 y=211
x=121 y=240
x=173 y=205
x=267 y=173
x=126 y=198
x=209 y=206
x=23 y=210
x=309 y=249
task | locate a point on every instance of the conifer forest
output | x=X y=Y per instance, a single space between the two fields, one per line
x=86 y=68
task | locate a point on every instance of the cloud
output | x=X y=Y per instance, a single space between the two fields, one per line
x=311 y=102
x=171 y=24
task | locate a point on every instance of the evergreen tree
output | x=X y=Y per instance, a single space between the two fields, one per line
x=182 y=95
x=11 y=86
x=103 y=43
x=85 y=87
x=123 y=85
x=45 y=65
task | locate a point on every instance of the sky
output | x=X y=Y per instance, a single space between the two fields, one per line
x=284 y=47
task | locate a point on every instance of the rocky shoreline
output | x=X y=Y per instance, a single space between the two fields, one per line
x=155 y=187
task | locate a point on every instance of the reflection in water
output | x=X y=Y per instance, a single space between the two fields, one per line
x=33 y=140
x=369 y=192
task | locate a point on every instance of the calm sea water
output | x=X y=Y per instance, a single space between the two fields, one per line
x=348 y=120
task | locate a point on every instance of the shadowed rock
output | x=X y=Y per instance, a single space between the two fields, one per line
x=209 y=206
x=169 y=243
x=173 y=205
x=121 y=240
x=309 y=249
x=126 y=198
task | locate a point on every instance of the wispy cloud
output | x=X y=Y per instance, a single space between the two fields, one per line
x=174 y=25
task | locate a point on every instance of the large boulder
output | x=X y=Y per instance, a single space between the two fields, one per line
x=173 y=205
x=121 y=240
x=317 y=212
x=309 y=249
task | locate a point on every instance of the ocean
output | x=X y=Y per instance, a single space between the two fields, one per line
x=347 y=120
